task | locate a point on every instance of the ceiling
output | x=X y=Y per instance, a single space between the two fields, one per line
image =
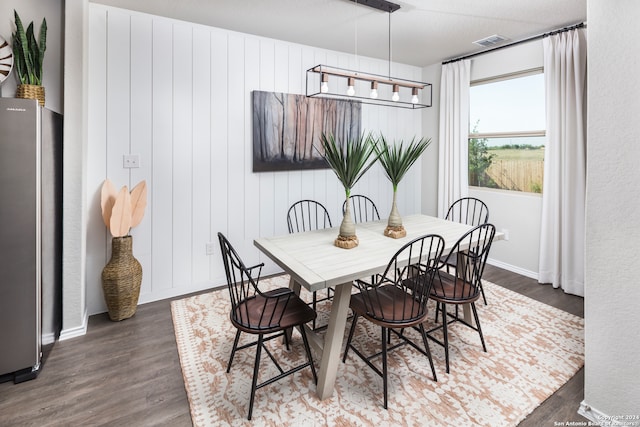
x=423 y=32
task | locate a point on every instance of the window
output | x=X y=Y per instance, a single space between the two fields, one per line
x=507 y=132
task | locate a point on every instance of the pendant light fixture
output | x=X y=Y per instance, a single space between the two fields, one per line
x=339 y=83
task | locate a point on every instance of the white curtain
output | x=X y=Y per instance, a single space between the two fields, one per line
x=453 y=158
x=562 y=250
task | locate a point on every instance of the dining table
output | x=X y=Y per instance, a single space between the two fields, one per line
x=313 y=261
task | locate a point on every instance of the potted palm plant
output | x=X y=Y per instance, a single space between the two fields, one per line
x=122 y=276
x=349 y=161
x=397 y=159
x=28 y=55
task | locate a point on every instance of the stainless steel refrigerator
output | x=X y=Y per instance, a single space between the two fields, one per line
x=30 y=236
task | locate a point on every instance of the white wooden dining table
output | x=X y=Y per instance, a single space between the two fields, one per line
x=313 y=261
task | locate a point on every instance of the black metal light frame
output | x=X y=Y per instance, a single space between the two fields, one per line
x=408 y=87
x=390 y=87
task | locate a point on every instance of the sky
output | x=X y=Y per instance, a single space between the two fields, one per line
x=508 y=105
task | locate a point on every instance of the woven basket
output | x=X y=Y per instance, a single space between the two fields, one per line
x=121 y=280
x=31 y=92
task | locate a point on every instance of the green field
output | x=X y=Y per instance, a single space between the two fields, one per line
x=517 y=154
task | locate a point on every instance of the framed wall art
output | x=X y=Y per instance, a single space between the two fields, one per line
x=287 y=129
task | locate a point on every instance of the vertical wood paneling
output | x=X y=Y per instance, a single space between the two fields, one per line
x=182 y=153
x=162 y=166
x=219 y=145
x=96 y=154
x=280 y=193
x=179 y=95
x=267 y=201
x=201 y=173
x=322 y=176
x=236 y=118
x=308 y=177
x=252 y=189
x=141 y=143
x=118 y=95
x=296 y=85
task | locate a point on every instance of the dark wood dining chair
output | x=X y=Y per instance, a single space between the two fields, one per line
x=363 y=209
x=306 y=215
x=265 y=314
x=397 y=300
x=463 y=286
x=470 y=211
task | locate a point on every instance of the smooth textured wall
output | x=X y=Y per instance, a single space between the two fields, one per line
x=179 y=95
x=612 y=294
x=430 y=127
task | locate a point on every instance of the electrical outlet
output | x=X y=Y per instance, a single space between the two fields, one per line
x=131 y=161
x=210 y=247
x=505 y=231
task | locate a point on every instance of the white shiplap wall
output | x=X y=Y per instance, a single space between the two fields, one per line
x=179 y=95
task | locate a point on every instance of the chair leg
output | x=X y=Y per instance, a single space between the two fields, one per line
x=256 y=368
x=308 y=350
x=351 y=331
x=426 y=347
x=475 y=316
x=445 y=335
x=482 y=291
x=384 y=364
x=233 y=350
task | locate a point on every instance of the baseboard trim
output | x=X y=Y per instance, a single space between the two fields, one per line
x=48 y=339
x=599 y=418
x=78 y=331
x=513 y=268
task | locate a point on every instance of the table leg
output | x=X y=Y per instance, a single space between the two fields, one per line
x=333 y=340
x=466 y=308
x=466 y=314
x=295 y=287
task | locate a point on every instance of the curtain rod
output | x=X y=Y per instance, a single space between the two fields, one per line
x=539 y=36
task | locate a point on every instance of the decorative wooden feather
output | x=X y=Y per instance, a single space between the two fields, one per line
x=138 y=202
x=107 y=199
x=120 y=222
x=122 y=210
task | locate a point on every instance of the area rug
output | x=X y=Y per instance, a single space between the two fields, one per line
x=533 y=349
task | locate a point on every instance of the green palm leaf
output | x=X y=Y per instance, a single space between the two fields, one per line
x=397 y=159
x=351 y=160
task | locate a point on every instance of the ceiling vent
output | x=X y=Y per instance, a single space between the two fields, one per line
x=490 y=41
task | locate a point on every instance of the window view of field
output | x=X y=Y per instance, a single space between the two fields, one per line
x=500 y=113
x=515 y=164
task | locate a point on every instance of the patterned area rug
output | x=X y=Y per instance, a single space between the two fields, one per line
x=533 y=349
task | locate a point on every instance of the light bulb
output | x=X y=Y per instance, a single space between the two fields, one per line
x=396 y=95
x=374 y=90
x=351 y=90
x=414 y=98
x=324 y=87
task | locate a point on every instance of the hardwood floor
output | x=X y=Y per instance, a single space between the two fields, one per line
x=128 y=373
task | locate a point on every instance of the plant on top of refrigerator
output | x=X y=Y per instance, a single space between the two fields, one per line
x=29 y=52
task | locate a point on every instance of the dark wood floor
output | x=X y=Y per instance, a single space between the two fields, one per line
x=128 y=373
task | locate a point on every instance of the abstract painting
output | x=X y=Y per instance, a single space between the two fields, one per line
x=287 y=129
